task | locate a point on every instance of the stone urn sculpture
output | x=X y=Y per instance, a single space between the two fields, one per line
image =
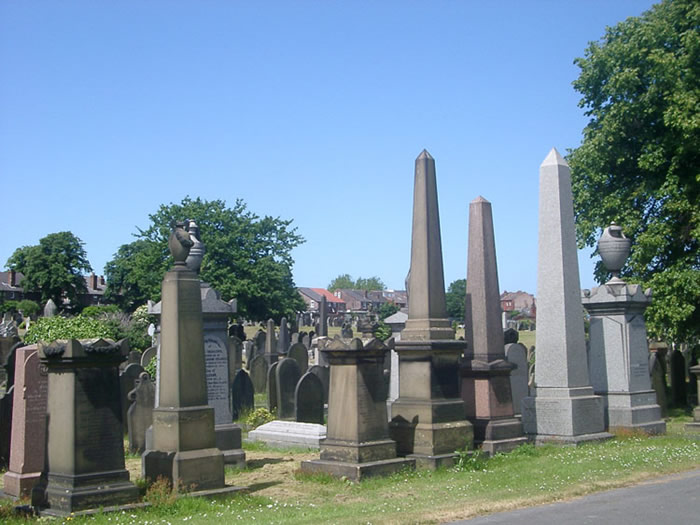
x=180 y=244
x=197 y=251
x=614 y=248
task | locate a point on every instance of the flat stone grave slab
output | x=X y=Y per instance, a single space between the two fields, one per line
x=289 y=434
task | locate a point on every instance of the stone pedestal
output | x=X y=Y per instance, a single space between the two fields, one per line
x=29 y=424
x=357 y=443
x=184 y=442
x=85 y=447
x=695 y=425
x=565 y=408
x=485 y=373
x=619 y=358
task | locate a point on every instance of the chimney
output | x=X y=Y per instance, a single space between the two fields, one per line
x=12 y=278
x=102 y=280
x=93 y=281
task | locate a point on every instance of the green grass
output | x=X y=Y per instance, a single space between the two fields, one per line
x=529 y=475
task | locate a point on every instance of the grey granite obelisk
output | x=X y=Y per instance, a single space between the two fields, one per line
x=565 y=408
x=184 y=443
x=619 y=355
x=428 y=419
x=485 y=372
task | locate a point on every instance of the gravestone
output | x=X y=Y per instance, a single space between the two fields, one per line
x=308 y=399
x=259 y=373
x=323 y=317
x=679 y=395
x=294 y=339
x=516 y=354
x=272 y=389
x=357 y=444
x=324 y=375
x=50 y=309
x=235 y=355
x=260 y=342
x=428 y=418
x=8 y=347
x=148 y=355
x=29 y=424
x=300 y=354
x=283 y=338
x=218 y=388
x=287 y=374
x=134 y=357
x=485 y=372
x=248 y=352
x=695 y=425
x=140 y=413
x=565 y=408
x=127 y=381
x=242 y=394
x=658 y=382
x=85 y=467
x=306 y=340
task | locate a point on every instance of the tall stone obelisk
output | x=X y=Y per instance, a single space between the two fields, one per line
x=565 y=408
x=485 y=372
x=428 y=420
x=184 y=443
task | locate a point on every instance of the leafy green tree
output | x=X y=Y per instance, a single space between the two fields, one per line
x=454 y=299
x=247 y=257
x=342 y=282
x=28 y=308
x=369 y=284
x=387 y=309
x=54 y=267
x=638 y=162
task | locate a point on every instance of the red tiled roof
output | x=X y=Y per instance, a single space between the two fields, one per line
x=328 y=295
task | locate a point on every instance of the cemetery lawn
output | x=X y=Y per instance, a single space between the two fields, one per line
x=278 y=493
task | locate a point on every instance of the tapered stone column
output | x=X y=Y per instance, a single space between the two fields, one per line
x=565 y=408
x=428 y=418
x=184 y=443
x=485 y=372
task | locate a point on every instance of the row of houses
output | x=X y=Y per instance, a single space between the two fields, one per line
x=11 y=289
x=351 y=301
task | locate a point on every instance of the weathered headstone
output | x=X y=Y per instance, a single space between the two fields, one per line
x=218 y=388
x=260 y=341
x=695 y=425
x=140 y=414
x=29 y=424
x=271 y=354
x=259 y=373
x=679 y=395
x=300 y=354
x=283 y=338
x=50 y=309
x=306 y=340
x=516 y=354
x=287 y=375
x=242 y=394
x=235 y=356
x=272 y=388
x=127 y=381
x=148 y=355
x=485 y=372
x=565 y=408
x=323 y=317
x=428 y=418
x=324 y=375
x=85 y=467
x=658 y=382
x=357 y=443
x=8 y=347
x=308 y=399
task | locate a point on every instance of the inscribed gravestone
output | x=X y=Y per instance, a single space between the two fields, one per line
x=218 y=388
x=242 y=394
x=272 y=389
x=658 y=382
x=140 y=414
x=516 y=354
x=324 y=375
x=300 y=354
x=127 y=381
x=287 y=375
x=308 y=399
x=259 y=373
x=678 y=375
x=29 y=424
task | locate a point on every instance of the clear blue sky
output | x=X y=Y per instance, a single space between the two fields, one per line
x=307 y=110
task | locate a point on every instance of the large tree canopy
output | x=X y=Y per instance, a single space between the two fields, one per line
x=346 y=282
x=247 y=257
x=54 y=267
x=455 y=299
x=639 y=162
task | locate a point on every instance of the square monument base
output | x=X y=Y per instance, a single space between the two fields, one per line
x=20 y=485
x=499 y=435
x=357 y=471
x=228 y=441
x=188 y=471
x=66 y=494
x=634 y=411
x=431 y=445
x=564 y=415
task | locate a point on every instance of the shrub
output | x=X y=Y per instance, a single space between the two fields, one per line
x=258 y=417
x=96 y=311
x=50 y=329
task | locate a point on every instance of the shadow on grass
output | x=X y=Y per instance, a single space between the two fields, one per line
x=253 y=464
x=260 y=486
